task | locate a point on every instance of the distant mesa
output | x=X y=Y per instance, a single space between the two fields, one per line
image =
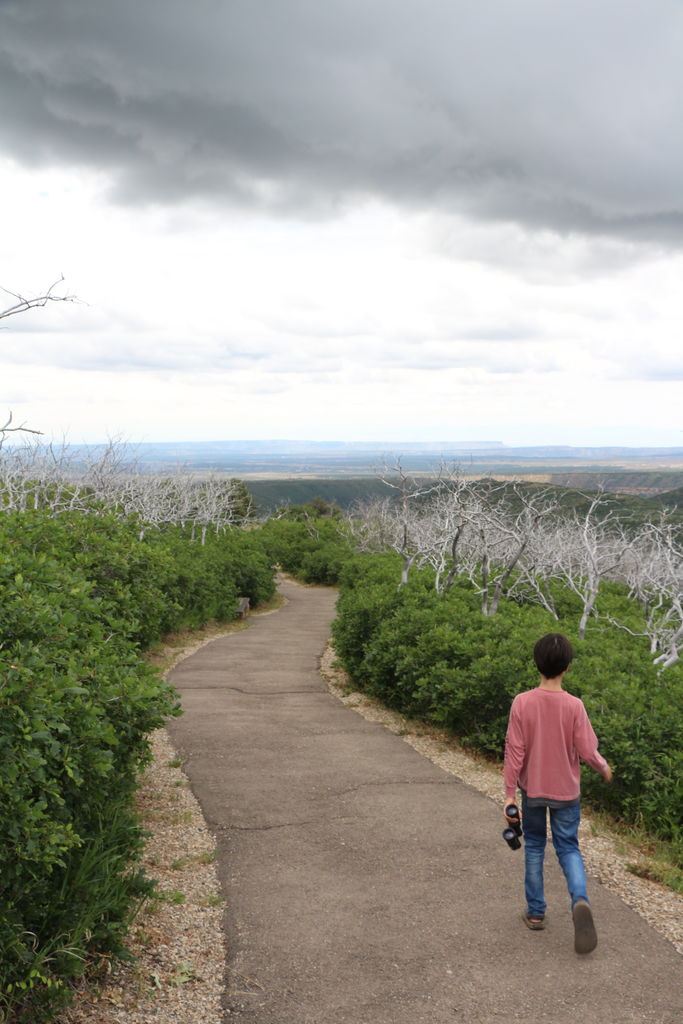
x=301 y=458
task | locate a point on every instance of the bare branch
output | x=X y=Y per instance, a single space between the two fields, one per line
x=22 y=304
x=7 y=428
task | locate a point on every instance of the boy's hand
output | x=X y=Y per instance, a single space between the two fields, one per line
x=510 y=821
x=608 y=774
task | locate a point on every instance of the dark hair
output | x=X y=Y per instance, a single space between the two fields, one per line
x=553 y=654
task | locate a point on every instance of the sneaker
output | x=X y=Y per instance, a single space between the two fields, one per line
x=585 y=937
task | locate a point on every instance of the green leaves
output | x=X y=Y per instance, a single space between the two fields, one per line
x=79 y=596
x=311 y=548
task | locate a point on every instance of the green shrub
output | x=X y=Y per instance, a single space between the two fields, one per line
x=80 y=596
x=313 y=550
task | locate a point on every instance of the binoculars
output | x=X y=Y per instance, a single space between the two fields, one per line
x=512 y=833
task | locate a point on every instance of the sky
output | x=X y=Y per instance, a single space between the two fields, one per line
x=352 y=220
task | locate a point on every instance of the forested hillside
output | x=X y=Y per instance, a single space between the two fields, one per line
x=636 y=492
x=672 y=499
x=270 y=495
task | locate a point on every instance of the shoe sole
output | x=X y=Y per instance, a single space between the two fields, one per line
x=585 y=936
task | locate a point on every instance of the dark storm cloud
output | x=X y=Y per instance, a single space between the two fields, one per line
x=558 y=115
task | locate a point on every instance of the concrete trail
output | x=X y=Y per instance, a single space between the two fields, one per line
x=364 y=884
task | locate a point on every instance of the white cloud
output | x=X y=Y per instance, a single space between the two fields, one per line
x=356 y=328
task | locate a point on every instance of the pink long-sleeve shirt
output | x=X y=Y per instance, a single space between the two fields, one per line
x=548 y=731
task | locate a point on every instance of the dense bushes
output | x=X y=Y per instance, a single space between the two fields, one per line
x=80 y=596
x=312 y=548
x=439 y=658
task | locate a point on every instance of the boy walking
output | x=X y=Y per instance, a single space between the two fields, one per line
x=549 y=730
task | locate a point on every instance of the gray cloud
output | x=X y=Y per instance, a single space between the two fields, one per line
x=559 y=116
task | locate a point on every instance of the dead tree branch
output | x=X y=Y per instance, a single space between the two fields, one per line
x=22 y=304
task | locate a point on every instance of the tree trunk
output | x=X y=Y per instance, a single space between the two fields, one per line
x=407 y=566
x=588 y=605
x=485 y=585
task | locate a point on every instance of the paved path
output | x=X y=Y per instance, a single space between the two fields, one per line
x=364 y=884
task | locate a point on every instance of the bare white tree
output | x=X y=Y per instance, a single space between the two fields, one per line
x=591 y=547
x=503 y=522
x=408 y=517
x=386 y=525
x=537 y=568
x=654 y=573
x=402 y=522
x=452 y=509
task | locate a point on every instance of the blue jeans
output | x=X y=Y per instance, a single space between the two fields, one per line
x=564 y=826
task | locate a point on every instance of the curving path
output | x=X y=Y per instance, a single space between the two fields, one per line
x=365 y=885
